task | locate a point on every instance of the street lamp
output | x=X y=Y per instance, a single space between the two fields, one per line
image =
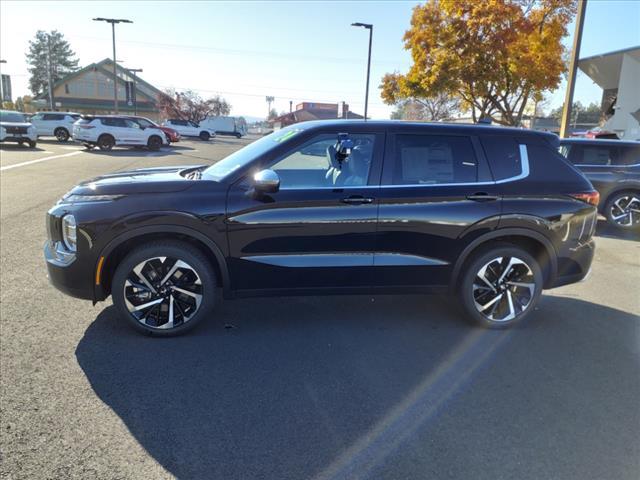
x=113 y=22
x=133 y=93
x=369 y=27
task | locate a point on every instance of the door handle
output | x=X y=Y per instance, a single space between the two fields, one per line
x=482 y=197
x=357 y=200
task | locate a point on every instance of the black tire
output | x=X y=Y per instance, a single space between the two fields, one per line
x=62 y=134
x=106 y=142
x=32 y=144
x=622 y=210
x=196 y=262
x=515 y=302
x=21 y=142
x=154 y=143
x=238 y=135
x=204 y=136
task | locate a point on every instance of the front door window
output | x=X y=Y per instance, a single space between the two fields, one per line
x=318 y=164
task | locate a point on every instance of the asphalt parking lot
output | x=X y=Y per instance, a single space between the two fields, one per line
x=395 y=387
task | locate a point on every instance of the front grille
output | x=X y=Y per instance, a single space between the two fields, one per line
x=16 y=130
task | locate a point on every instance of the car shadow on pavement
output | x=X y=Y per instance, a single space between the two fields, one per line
x=141 y=152
x=12 y=147
x=331 y=386
x=604 y=229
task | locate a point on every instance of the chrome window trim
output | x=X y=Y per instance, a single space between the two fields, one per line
x=605 y=166
x=524 y=159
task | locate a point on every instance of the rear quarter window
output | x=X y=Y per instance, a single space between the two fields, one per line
x=503 y=153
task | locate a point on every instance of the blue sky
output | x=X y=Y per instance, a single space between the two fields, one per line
x=246 y=50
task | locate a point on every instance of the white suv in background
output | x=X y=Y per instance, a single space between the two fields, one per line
x=57 y=124
x=190 y=129
x=14 y=127
x=108 y=131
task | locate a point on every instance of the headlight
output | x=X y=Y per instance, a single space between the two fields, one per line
x=90 y=198
x=69 y=235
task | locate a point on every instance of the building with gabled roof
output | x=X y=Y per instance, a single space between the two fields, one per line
x=90 y=91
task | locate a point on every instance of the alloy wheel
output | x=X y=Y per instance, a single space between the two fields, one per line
x=625 y=210
x=163 y=292
x=503 y=288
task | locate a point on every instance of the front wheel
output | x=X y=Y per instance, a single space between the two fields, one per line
x=154 y=143
x=500 y=286
x=32 y=144
x=623 y=210
x=204 y=136
x=164 y=288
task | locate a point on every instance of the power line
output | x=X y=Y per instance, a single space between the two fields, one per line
x=239 y=52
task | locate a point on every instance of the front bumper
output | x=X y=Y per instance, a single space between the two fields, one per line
x=19 y=138
x=66 y=273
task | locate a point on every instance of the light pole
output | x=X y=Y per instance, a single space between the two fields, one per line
x=113 y=22
x=133 y=93
x=573 y=70
x=369 y=27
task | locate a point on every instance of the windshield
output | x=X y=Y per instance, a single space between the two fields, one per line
x=12 y=117
x=219 y=171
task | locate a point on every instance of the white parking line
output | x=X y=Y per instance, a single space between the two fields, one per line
x=31 y=162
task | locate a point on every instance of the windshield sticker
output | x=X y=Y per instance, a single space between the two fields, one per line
x=286 y=136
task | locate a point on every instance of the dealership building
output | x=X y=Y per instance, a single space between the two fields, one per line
x=90 y=91
x=618 y=74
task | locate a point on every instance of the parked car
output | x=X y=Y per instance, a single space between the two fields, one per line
x=15 y=128
x=596 y=133
x=494 y=215
x=56 y=124
x=108 y=131
x=226 y=125
x=190 y=129
x=172 y=135
x=613 y=167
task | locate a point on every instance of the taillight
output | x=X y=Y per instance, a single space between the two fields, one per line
x=592 y=198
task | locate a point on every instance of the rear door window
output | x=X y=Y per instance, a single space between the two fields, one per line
x=433 y=160
x=503 y=153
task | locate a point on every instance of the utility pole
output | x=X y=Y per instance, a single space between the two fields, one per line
x=369 y=27
x=573 y=69
x=113 y=22
x=134 y=92
x=2 y=85
x=269 y=102
x=49 y=72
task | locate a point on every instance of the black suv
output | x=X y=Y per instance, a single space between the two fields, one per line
x=493 y=215
x=613 y=166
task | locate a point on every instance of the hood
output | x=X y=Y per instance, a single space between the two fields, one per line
x=15 y=124
x=145 y=180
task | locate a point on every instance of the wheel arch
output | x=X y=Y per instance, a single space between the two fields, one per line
x=116 y=250
x=534 y=242
x=625 y=186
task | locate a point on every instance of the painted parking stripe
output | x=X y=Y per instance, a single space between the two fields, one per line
x=31 y=162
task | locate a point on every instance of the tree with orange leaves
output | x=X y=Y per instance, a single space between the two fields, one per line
x=493 y=55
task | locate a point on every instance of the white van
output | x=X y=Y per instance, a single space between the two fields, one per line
x=235 y=126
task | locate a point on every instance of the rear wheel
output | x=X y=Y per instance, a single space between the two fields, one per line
x=623 y=210
x=204 y=136
x=62 y=134
x=500 y=286
x=106 y=142
x=164 y=288
x=154 y=143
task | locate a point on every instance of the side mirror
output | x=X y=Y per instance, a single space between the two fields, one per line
x=266 y=181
